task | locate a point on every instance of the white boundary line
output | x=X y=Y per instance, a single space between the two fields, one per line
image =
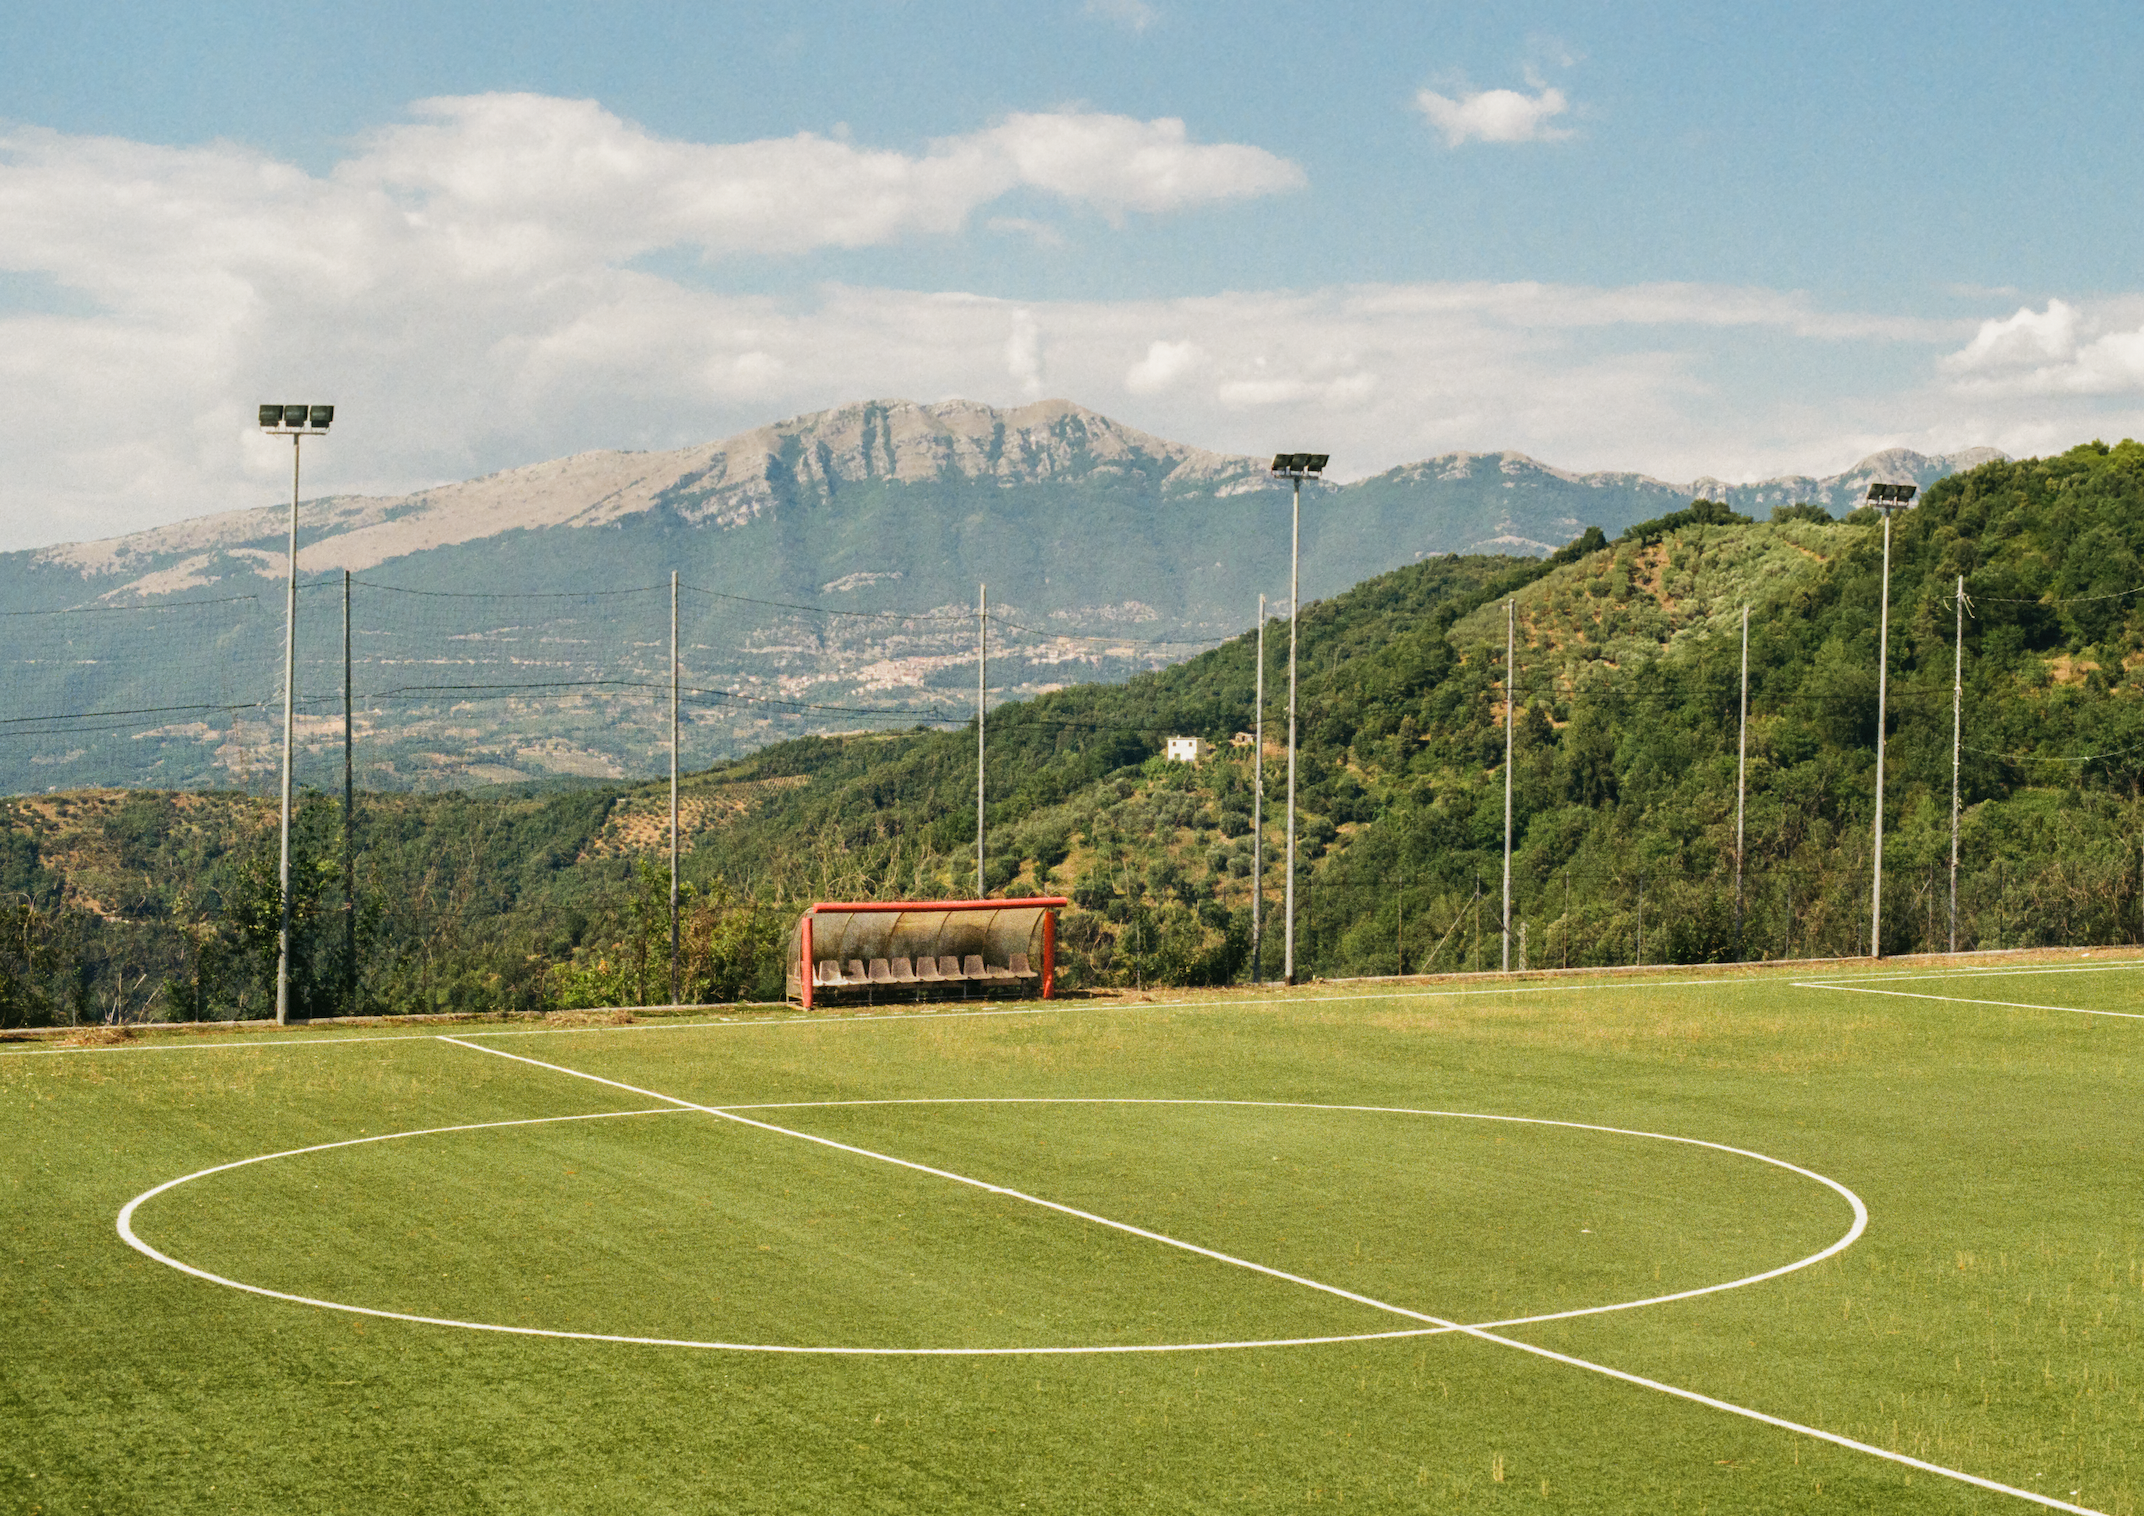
x=1059 y=1009
x=1438 y=1324
x=1741 y=981
x=1983 y=971
x=2016 y=1005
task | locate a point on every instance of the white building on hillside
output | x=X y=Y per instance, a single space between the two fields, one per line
x=1183 y=750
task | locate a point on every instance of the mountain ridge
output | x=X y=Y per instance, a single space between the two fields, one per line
x=814 y=457
x=518 y=625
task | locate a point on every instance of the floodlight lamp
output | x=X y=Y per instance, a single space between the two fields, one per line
x=271 y=415
x=322 y=417
x=294 y=415
x=1315 y=462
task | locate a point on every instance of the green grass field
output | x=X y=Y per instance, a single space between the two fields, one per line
x=898 y=1195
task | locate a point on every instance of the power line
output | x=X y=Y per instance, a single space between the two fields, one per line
x=110 y=610
x=396 y=589
x=827 y=610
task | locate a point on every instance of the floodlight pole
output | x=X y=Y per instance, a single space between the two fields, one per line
x=1883 y=676
x=1258 y=798
x=1511 y=705
x=673 y=788
x=1295 y=544
x=982 y=692
x=1957 y=719
x=290 y=683
x=1741 y=780
x=349 y=832
x=295 y=422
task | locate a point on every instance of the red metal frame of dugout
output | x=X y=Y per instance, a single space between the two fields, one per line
x=1050 y=905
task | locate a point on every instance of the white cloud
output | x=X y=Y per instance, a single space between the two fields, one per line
x=465 y=322
x=1133 y=15
x=2060 y=350
x=1023 y=354
x=1166 y=365
x=1117 y=164
x=1041 y=233
x=1496 y=115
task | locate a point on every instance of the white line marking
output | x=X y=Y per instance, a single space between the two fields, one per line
x=2016 y=1005
x=1981 y=971
x=1851 y=1236
x=1436 y=1324
x=1436 y=1327
x=1742 y=981
x=978 y=1184
x=135 y=1241
x=214 y=1047
x=1860 y=1218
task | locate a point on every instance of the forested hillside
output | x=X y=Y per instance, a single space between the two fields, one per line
x=1623 y=785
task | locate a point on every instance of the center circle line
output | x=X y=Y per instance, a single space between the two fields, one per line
x=127 y=1233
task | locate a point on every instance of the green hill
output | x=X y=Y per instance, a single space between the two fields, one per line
x=1623 y=781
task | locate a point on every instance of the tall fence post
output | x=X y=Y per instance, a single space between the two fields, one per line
x=1511 y=706
x=1741 y=780
x=1258 y=807
x=1957 y=727
x=982 y=695
x=673 y=788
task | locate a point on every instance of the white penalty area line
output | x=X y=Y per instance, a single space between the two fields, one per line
x=1481 y=1332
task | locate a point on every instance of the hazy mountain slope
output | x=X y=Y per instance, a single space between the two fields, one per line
x=517 y=625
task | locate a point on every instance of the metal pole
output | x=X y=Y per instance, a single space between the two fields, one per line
x=349 y=832
x=673 y=788
x=982 y=687
x=1883 y=676
x=290 y=682
x=1295 y=544
x=1641 y=918
x=1511 y=706
x=1258 y=808
x=1957 y=725
x=1741 y=780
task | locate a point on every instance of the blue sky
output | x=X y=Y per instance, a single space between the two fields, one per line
x=1722 y=240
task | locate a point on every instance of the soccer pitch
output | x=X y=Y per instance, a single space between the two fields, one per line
x=1748 y=1241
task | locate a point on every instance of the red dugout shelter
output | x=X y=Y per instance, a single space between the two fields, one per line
x=924 y=949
